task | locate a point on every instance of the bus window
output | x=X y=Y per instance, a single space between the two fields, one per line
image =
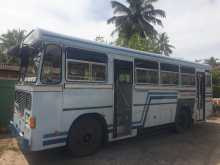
x=52 y=61
x=78 y=70
x=187 y=76
x=83 y=65
x=169 y=74
x=98 y=72
x=146 y=72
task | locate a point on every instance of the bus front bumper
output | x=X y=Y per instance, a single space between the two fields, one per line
x=23 y=142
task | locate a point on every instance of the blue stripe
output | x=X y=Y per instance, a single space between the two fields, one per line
x=51 y=135
x=162 y=93
x=137 y=105
x=151 y=96
x=54 y=141
x=87 y=108
x=163 y=97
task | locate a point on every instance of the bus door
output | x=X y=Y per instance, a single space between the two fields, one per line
x=200 y=81
x=123 y=84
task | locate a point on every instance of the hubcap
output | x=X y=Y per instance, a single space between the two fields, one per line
x=87 y=138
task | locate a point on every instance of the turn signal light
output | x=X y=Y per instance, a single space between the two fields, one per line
x=32 y=122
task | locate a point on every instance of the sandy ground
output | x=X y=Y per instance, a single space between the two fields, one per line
x=9 y=152
x=198 y=146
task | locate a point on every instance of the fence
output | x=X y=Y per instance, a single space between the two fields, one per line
x=9 y=72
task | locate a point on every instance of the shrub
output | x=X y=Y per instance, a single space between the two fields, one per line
x=216 y=91
x=216 y=108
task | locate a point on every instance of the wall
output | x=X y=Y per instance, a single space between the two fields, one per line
x=7 y=88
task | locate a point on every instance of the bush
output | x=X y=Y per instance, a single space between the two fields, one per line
x=216 y=108
x=216 y=91
x=216 y=76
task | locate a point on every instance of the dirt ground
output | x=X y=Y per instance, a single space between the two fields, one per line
x=198 y=146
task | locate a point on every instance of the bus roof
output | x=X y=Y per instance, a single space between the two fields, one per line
x=40 y=34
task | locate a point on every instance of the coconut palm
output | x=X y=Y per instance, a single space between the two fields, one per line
x=139 y=16
x=7 y=40
x=164 y=46
x=11 y=38
x=212 y=61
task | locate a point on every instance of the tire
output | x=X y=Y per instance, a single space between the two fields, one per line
x=182 y=121
x=85 y=137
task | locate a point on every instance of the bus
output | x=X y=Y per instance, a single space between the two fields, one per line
x=82 y=94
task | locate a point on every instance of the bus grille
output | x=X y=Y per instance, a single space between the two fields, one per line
x=23 y=99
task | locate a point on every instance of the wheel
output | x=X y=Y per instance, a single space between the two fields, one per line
x=182 y=121
x=85 y=137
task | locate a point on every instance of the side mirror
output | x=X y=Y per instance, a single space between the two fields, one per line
x=17 y=51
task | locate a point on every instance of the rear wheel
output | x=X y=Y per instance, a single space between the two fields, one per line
x=190 y=124
x=182 y=121
x=85 y=137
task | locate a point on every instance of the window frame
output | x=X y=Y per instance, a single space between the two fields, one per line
x=146 y=69
x=161 y=83
x=90 y=67
x=42 y=63
x=188 y=74
x=173 y=72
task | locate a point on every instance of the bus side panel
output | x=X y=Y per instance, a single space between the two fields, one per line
x=139 y=101
x=46 y=109
x=154 y=108
x=160 y=112
x=87 y=100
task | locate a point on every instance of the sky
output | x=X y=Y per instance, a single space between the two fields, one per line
x=192 y=25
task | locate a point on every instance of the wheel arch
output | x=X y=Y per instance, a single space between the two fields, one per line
x=96 y=116
x=185 y=105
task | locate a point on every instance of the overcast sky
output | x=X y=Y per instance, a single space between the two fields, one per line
x=192 y=25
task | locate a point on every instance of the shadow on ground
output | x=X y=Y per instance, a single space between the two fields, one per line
x=200 y=145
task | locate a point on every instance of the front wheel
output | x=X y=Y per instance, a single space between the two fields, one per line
x=85 y=137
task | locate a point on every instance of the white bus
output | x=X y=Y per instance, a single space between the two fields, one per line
x=80 y=94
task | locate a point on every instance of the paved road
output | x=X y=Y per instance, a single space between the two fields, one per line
x=198 y=146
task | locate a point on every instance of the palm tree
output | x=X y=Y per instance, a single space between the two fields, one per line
x=212 y=61
x=164 y=46
x=138 y=17
x=11 y=38
x=7 y=40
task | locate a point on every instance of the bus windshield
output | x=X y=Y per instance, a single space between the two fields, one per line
x=32 y=69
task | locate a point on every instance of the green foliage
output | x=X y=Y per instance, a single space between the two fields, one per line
x=137 y=16
x=3 y=57
x=216 y=108
x=216 y=91
x=151 y=44
x=11 y=38
x=134 y=23
x=216 y=77
x=139 y=43
x=164 y=46
x=216 y=83
x=212 y=61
